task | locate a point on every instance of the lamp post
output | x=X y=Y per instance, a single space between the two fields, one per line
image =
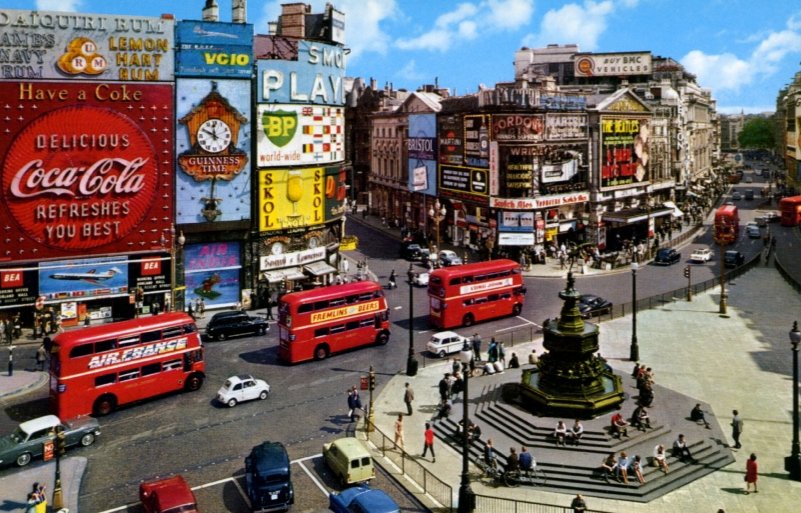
x=437 y=213
x=792 y=463
x=467 y=498
x=723 y=235
x=634 y=352
x=60 y=448
x=411 y=361
x=176 y=244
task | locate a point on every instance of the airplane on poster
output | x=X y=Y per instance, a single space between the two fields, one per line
x=92 y=276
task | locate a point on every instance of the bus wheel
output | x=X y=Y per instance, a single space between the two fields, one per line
x=321 y=353
x=467 y=320
x=382 y=339
x=193 y=383
x=104 y=405
x=516 y=309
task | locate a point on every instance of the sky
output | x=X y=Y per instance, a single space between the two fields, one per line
x=744 y=51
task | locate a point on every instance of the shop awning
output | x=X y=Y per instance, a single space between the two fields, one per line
x=319 y=268
x=635 y=215
x=279 y=275
x=676 y=211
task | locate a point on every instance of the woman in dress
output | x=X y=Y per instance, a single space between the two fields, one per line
x=751 y=469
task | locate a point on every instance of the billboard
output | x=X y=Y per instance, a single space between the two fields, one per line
x=213 y=175
x=84 y=171
x=291 y=198
x=18 y=287
x=289 y=135
x=613 y=64
x=211 y=272
x=525 y=128
x=466 y=182
x=83 y=279
x=214 y=49
x=625 y=151
x=422 y=148
x=68 y=45
x=451 y=148
x=316 y=77
x=477 y=135
x=512 y=221
x=335 y=192
x=545 y=169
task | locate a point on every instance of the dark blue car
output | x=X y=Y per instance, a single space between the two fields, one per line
x=667 y=256
x=362 y=499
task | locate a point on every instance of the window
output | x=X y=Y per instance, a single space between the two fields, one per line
x=151 y=368
x=106 y=379
x=127 y=341
x=337 y=329
x=321 y=332
x=172 y=365
x=352 y=325
x=82 y=350
x=305 y=308
x=172 y=332
x=106 y=345
x=129 y=375
x=365 y=323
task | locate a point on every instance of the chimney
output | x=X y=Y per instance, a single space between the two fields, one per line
x=239 y=11
x=211 y=12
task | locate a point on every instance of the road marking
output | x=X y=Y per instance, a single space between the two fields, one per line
x=398 y=308
x=312 y=477
x=527 y=323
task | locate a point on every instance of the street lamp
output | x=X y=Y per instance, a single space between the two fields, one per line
x=176 y=244
x=411 y=361
x=792 y=463
x=723 y=235
x=467 y=498
x=437 y=213
x=634 y=353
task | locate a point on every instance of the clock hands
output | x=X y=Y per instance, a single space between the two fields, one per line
x=212 y=133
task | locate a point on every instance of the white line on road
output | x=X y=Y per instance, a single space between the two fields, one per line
x=313 y=478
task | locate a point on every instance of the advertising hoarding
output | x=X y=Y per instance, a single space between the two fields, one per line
x=625 y=151
x=515 y=221
x=291 y=198
x=84 y=170
x=467 y=181
x=288 y=135
x=83 y=279
x=211 y=273
x=612 y=64
x=524 y=128
x=214 y=49
x=316 y=77
x=422 y=149
x=565 y=127
x=61 y=45
x=18 y=287
x=477 y=135
x=213 y=180
x=543 y=169
x=451 y=149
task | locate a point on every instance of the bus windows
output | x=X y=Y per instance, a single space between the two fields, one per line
x=320 y=332
x=151 y=368
x=105 y=379
x=171 y=332
x=82 y=350
x=171 y=365
x=128 y=375
x=148 y=336
x=106 y=345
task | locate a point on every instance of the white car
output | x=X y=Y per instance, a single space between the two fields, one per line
x=448 y=258
x=242 y=387
x=445 y=342
x=420 y=279
x=701 y=255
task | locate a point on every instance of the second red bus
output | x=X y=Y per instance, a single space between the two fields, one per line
x=790 y=209
x=727 y=224
x=313 y=324
x=465 y=294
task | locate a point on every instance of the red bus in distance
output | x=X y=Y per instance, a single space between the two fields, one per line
x=465 y=294
x=316 y=323
x=727 y=224
x=96 y=369
x=790 y=209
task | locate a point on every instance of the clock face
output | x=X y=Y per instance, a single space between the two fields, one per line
x=314 y=242
x=214 y=135
x=277 y=248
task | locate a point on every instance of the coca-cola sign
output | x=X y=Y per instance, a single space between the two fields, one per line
x=86 y=176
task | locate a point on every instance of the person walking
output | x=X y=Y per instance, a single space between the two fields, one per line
x=408 y=397
x=201 y=308
x=429 y=443
x=399 y=432
x=736 y=428
x=41 y=357
x=393 y=284
x=354 y=403
x=751 y=470
x=476 y=347
x=269 y=309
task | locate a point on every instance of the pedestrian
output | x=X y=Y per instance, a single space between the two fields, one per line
x=39 y=496
x=354 y=403
x=393 y=284
x=429 y=443
x=751 y=469
x=532 y=357
x=502 y=354
x=492 y=351
x=408 y=397
x=269 y=308
x=41 y=356
x=190 y=310
x=736 y=428
x=399 y=432
x=578 y=504
x=201 y=308
x=444 y=387
x=30 y=505
x=476 y=347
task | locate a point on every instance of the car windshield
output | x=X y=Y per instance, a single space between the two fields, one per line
x=18 y=436
x=272 y=478
x=181 y=509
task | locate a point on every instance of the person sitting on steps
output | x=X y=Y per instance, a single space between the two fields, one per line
x=640 y=419
x=560 y=432
x=697 y=415
x=619 y=426
x=609 y=466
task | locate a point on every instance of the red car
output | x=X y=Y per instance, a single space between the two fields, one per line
x=169 y=495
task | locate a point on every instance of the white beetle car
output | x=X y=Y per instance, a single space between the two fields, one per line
x=242 y=387
x=445 y=342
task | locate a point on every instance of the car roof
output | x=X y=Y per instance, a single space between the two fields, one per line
x=239 y=377
x=372 y=500
x=269 y=456
x=171 y=492
x=351 y=447
x=445 y=334
x=39 y=423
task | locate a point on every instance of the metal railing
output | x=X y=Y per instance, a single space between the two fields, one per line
x=489 y=504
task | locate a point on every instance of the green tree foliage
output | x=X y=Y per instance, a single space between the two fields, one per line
x=756 y=133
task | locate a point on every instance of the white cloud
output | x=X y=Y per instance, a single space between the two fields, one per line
x=409 y=72
x=573 y=23
x=510 y=14
x=59 y=5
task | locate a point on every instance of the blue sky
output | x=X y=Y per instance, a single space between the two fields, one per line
x=744 y=51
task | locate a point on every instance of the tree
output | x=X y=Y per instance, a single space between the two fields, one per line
x=757 y=133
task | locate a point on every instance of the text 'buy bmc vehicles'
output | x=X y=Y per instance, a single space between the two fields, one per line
x=96 y=369
x=313 y=324
x=465 y=294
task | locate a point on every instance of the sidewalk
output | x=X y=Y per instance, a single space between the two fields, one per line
x=14 y=488
x=726 y=361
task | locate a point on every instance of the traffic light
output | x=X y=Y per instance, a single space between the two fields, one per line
x=687 y=272
x=61 y=442
x=372 y=380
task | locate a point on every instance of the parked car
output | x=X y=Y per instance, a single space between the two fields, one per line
x=701 y=255
x=761 y=221
x=168 y=495
x=753 y=231
x=748 y=179
x=736 y=195
x=590 y=305
x=413 y=251
x=772 y=216
x=242 y=387
x=749 y=194
x=420 y=279
x=448 y=258
x=445 y=342
x=667 y=256
x=224 y=325
x=349 y=460
x=733 y=258
x=362 y=499
x=27 y=441
x=268 y=478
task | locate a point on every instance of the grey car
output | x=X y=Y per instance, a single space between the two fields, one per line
x=29 y=439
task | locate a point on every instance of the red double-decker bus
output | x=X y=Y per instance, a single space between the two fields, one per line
x=727 y=224
x=465 y=294
x=95 y=369
x=314 y=324
x=790 y=209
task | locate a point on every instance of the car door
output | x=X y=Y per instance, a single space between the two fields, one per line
x=237 y=392
x=35 y=443
x=249 y=390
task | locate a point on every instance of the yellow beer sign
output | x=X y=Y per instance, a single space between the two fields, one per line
x=345 y=311
x=290 y=198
